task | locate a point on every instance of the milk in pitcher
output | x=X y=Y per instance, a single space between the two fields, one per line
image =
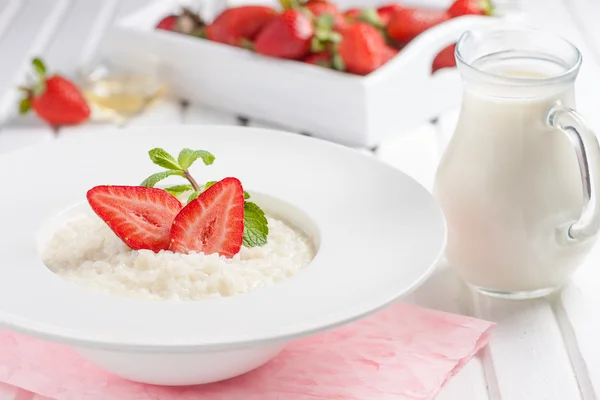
x=510 y=181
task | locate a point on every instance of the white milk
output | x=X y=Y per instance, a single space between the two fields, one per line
x=509 y=184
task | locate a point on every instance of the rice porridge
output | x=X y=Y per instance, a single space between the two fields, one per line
x=85 y=251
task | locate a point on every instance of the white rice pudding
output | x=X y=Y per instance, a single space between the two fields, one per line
x=85 y=251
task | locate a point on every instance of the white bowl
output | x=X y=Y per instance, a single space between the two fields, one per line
x=341 y=107
x=378 y=234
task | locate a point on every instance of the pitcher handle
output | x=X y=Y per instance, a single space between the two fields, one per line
x=587 y=149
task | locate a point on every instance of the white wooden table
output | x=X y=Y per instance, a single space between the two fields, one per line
x=540 y=350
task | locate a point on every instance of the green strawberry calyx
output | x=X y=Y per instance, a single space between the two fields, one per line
x=487 y=7
x=290 y=4
x=371 y=17
x=37 y=89
x=326 y=40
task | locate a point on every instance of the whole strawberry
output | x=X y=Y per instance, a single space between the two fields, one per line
x=385 y=12
x=54 y=99
x=186 y=22
x=405 y=24
x=168 y=23
x=237 y=25
x=444 y=59
x=389 y=53
x=363 y=48
x=287 y=36
x=470 y=7
x=322 y=59
x=322 y=7
x=352 y=14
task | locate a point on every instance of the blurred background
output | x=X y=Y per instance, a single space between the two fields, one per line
x=132 y=73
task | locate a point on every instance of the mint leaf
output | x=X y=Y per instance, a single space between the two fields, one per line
x=153 y=179
x=192 y=197
x=163 y=159
x=246 y=195
x=208 y=184
x=256 y=227
x=179 y=189
x=187 y=157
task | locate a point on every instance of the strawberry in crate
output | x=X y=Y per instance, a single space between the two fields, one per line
x=186 y=22
x=356 y=41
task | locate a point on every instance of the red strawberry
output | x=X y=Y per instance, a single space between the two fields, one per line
x=55 y=99
x=167 y=23
x=140 y=216
x=352 y=14
x=213 y=222
x=187 y=22
x=385 y=12
x=407 y=23
x=286 y=36
x=238 y=24
x=444 y=59
x=470 y=7
x=321 y=7
x=362 y=48
x=322 y=59
x=389 y=53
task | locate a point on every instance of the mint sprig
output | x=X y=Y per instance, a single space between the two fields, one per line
x=178 y=167
x=256 y=227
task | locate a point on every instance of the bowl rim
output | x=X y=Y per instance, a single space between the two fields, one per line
x=79 y=317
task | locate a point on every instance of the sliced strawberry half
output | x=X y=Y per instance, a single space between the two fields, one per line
x=140 y=216
x=213 y=222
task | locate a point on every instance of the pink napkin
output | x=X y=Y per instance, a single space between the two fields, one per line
x=402 y=353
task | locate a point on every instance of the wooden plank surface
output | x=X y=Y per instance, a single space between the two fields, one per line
x=202 y=115
x=445 y=292
x=526 y=350
x=80 y=31
x=167 y=111
x=8 y=13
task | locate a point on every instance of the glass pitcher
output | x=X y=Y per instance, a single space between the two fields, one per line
x=518 y=181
